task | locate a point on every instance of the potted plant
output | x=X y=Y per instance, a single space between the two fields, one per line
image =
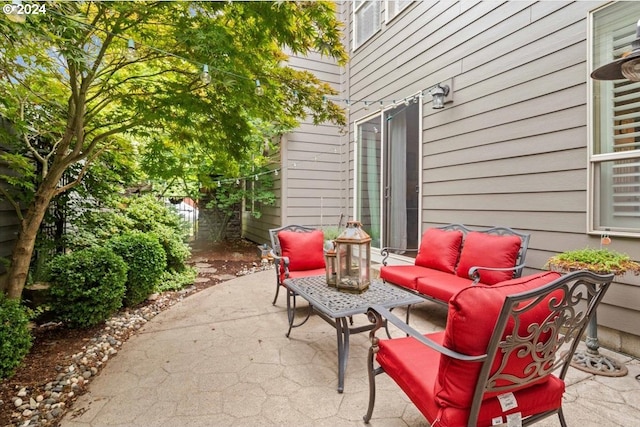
x=600 y=261
x=330 y=234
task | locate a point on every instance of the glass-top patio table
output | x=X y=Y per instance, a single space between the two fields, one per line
x=336 y=307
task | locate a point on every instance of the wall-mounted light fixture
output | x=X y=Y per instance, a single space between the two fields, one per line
x=626 y=67
x=438 y=93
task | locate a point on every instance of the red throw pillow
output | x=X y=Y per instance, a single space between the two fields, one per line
x=304 y=249
x=471 y=319
x=439 y=249
x=489 y=250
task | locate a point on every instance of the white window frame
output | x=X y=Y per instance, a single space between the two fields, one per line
x=599 y=159
x=360 y=6
x=400 y=5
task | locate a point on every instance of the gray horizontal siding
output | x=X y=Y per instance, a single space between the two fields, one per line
x=311 y=183
x=9 y=224
x=512 y=147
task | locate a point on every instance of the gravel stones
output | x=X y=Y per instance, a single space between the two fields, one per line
x=46 y=404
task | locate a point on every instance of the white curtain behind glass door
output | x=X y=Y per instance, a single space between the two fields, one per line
x=397 y=180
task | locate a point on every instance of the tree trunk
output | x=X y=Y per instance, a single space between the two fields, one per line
x=23 y=250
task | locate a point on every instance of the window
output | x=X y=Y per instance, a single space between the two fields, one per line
x=366 y=20
x=394 y=7
x=615 y=154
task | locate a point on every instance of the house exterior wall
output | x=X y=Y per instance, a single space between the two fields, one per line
x=9 y=225
x=9 y=221
x=310 y=187
x=512 y=147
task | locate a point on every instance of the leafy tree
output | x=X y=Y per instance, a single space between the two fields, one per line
x=72 y=96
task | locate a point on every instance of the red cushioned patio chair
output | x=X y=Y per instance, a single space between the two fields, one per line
x=503 y=356
x=298 y=251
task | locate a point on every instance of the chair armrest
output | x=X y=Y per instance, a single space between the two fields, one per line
x=378 y=314
x=280 y=259
x=385 y=252
x=474 y=272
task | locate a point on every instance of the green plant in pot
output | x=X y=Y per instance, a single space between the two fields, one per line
x=330 y=234
x=600 y=261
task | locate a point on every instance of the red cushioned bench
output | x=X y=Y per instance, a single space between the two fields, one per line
x=454 y=257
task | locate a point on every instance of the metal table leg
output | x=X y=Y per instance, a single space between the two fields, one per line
x=342 y=332
x=291 y=312
x=591 y=360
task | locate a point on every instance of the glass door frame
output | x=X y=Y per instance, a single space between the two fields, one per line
x=375 y=255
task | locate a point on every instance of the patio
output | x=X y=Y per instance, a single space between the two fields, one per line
x=221 y=358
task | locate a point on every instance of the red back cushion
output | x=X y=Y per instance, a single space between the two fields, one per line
x=439 y=249
x=471 y=320
x=488 y=250
x=304 y=249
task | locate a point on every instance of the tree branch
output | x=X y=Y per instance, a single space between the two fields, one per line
x=13 y=203
x=82 y=173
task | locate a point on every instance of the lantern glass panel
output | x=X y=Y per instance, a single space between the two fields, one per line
x=353 y=249
x=330 y=265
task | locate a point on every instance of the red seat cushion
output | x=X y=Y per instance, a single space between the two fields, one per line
x=306 y=273
x=304 y=249
x=440 y=285
x=414 y=367
x=487 y=250
x=439 y=249
x=442 y=387
x=403 y=275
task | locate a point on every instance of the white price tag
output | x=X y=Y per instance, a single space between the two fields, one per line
x=507 y=401
x=514 y=420
x=496 y=421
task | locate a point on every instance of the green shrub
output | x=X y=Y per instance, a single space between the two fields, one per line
x=146 y=212
x=94 y=227
x=146 y=259
x=174 y=246
x=87 y=286
x=15 y=337
x=176 y=280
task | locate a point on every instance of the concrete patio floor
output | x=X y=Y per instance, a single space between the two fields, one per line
x=221 y=358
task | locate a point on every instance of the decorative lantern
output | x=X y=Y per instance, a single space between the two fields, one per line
x=330 y=266
x=353 y=258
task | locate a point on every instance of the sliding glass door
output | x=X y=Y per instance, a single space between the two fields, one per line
x=388 y=177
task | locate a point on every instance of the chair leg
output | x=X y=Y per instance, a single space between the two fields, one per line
x=372 y=383
x=277 y=290
x=563 y=423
